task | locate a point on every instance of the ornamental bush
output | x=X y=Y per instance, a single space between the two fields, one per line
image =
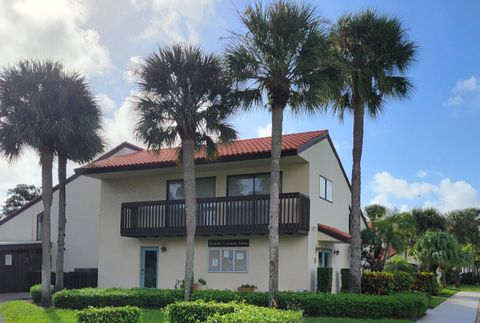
x=196 y=311
x=253 y=314
x=324 y=279
x=345 y=279
x=426 y=282
x=400 y=305
x=378 y=283
x=98 y=297
x=36 y=292
x=402 y=281
x=126 y=314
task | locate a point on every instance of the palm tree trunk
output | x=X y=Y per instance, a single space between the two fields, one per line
x=277 y=124
x=190 y=210
x=62 y=177
x=355 y=258
x=46 y=160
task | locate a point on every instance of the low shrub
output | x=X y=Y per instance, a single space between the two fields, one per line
x=426 y=282
x=196 y=311
x=253 y=314
x=98 y=297
x=126 y=314
x=401 y=305
x=468 y=278
x=402 y=281
x=399 y=264
x=225 y=296
x=36 y=292
x=378 y=283
x=324 y=279
x=345 y=279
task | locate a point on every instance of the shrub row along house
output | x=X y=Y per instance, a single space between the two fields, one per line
x=126 y=218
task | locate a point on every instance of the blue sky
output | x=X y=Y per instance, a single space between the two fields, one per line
x=419 y=152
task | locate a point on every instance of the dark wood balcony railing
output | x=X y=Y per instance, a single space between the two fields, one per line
x=215 y=216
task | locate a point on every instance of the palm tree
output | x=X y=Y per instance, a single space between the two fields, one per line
x=375 y=53
x=186 y=98
x=281 y=59
x=30 y=94
x=80 y=144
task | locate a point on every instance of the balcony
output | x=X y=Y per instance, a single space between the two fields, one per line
x=215 y=216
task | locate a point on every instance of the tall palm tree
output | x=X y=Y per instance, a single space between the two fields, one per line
x=375 y=53
x=282 y=58
x=30 y=93
x=185 y=99
x=81 y=144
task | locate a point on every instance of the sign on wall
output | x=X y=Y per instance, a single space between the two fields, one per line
x=229 y=243
x=8 y=260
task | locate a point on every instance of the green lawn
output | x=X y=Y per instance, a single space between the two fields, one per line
x=25 y=312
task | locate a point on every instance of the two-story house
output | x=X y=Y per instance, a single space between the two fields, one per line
x=142 y=215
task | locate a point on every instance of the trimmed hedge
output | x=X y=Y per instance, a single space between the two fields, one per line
x=324 y=279
x=427 y=283
x=377 y=282
x=126 y=314
x=36 y=292
x=254 y=314
x=402 y=281
x=197 y=311
x=345 y=279
x=383 y=283
x=402 y=305
x=141 y=297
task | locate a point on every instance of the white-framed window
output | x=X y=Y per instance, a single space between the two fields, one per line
x=228 y=260
x=326 y=189
x=325 y=258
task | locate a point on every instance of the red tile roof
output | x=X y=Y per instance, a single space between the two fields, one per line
x=334 y=232
x=246 y=148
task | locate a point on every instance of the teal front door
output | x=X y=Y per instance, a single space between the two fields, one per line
x=149 y=267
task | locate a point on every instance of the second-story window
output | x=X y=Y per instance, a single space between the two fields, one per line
x=326 y=189
x=205 y=187
x=254 y=184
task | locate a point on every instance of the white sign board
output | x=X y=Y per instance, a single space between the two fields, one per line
x=8 y=260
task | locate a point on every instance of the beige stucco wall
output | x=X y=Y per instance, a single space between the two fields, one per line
x=119 y=261
x=81 y=240
x=322 y=161
x=119 y=257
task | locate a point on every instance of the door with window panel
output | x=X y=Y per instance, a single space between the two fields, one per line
x=252 y=210
x=206 y=211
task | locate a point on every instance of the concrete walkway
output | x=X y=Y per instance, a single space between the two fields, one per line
x=13 y=296
x=459 y=308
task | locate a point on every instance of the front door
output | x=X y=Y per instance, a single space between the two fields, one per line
x=149 y=267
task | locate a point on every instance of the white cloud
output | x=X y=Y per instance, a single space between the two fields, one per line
x=265 y=131
x=465 y=91
x=51 y=29
x=454 y=101
x=129 y=74
x=446 y=195
x=467 y=85
x=119 y=127
x=177 y=20
x=422 y=174
x=105 y=102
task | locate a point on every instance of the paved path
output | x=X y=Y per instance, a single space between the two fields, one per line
x=459 y=308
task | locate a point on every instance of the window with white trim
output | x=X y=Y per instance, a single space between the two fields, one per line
x=228 y=260
x=326 y=189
